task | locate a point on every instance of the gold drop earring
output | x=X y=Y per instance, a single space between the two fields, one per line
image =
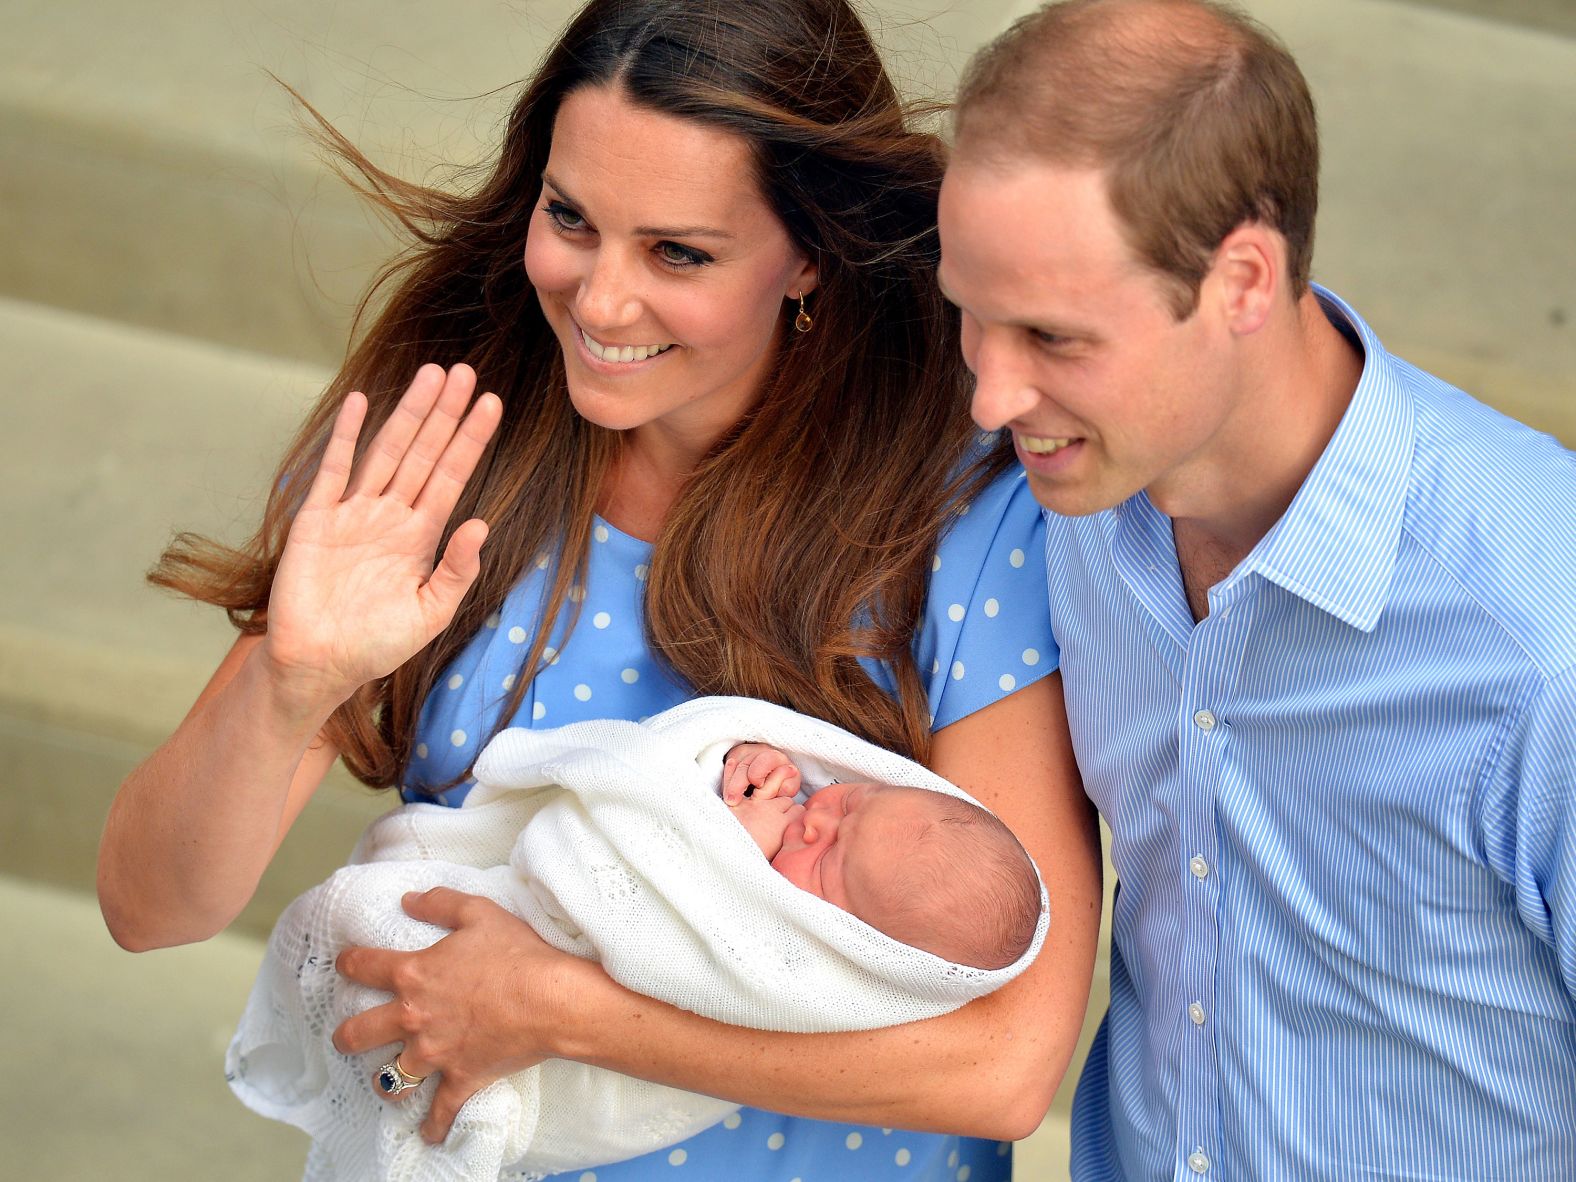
x=803 y=322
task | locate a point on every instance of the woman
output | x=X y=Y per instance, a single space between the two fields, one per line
x=732 y=456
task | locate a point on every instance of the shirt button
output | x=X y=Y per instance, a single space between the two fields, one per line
x=1198 y=1162
x=1198 y=866
x=1204 y=720
x=1196 y=1012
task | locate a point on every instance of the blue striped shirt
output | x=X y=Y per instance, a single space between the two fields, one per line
x=1342 y=806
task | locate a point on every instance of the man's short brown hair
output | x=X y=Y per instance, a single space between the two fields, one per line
x=1199 y=118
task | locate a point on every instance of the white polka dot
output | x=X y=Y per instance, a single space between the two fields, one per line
x=641 y=571
x=517 y=635
x=456 y=681
x=1003 y=1148
x=992 y=607
x=1016 y=557
x=577 y=593
x=539 y=710
x=421 y=751
x=853 y=1140
x=458 y=738
x=588 y=1176
x=601 y=620
x=732 y=1121
x=1007 y=681
x=935 y=563
x=677 y=1158
x=508 y=683
x=583 y=692
x=957 y=670
x=600 y=533
x=1031 y=656
x=630 y=676
x=775 y=1142
x=955 y=612
x=886 y=1132
x=541 y=562
x=935 y=666
x=902 y=1157
x=493 y=621
x=550 y=655
x=952 y=1160
x=963 y=1173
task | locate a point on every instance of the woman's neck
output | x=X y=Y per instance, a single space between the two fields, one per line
x=646 y=479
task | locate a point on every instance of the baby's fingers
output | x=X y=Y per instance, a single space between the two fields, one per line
x=782 y=781
x=734 y=781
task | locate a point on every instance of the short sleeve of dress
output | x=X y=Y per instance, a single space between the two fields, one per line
x=987 y=625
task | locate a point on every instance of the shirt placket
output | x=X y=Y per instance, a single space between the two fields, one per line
x=1203 y=737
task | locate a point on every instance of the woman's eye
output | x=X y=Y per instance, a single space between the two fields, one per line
x=675 y=255
x=563 y=216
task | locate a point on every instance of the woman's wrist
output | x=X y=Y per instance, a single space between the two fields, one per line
x=298 y=702
x=580 y=1009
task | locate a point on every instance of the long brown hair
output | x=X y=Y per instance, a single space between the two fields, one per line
x=767 y=579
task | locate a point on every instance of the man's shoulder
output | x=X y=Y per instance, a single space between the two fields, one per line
x=1493 y=502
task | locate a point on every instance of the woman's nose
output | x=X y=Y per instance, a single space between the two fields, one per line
x=608 y=295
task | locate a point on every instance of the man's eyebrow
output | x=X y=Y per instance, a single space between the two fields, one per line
x=650 y=231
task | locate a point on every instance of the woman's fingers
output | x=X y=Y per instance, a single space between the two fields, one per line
x=457 y=569
x=333 y=470
x=393 y=440
x=445 y=480
x=425 y=450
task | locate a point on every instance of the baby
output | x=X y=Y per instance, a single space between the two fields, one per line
x=931 y=871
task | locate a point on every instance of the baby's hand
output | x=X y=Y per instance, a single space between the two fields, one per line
x=757 y=771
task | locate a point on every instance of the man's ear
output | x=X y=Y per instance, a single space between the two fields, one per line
x=1249 y=271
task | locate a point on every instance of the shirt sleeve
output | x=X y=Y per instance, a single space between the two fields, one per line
x=987 y=627
x=1542 y=761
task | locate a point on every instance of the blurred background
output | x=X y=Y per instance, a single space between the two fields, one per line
x=177 y=274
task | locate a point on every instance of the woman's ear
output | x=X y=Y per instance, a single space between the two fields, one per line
x=803 y=280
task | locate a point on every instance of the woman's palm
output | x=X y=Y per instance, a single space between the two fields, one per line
x=357 y=593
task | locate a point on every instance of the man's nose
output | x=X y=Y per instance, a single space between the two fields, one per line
x=1003 y=389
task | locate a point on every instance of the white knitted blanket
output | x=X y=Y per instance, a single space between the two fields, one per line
x=610 y=839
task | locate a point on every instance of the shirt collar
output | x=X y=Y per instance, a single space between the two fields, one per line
x=1335 y=546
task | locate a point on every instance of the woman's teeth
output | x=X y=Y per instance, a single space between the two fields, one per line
x=1042 y=445
x=621 y=352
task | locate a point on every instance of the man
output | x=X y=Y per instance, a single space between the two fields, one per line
x=1317 y=620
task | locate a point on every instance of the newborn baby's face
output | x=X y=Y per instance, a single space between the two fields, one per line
x=846 y=837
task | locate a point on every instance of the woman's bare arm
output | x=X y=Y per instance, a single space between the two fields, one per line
x=491 y=998
x=196 y=824
x=355 y=596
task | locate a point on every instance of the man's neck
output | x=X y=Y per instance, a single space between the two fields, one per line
x=1302 y=382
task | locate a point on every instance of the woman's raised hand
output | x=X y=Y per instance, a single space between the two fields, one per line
x=356 y=594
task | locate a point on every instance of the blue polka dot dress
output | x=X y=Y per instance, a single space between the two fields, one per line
x=986 y=632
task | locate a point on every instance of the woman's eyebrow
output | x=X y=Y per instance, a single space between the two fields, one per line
x=647 y=231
